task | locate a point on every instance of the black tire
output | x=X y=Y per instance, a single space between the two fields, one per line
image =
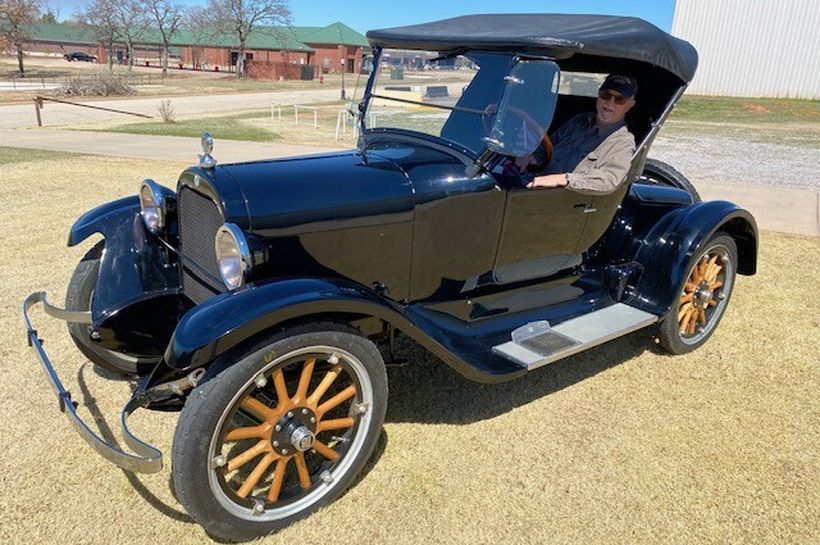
x=78 y=297
x=660 y=173
x=673 y=333
x=207 y=485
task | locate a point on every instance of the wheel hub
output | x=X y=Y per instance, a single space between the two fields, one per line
x=295 y=431
x=703 y=295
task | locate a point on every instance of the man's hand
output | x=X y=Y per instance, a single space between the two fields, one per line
x=550 y=180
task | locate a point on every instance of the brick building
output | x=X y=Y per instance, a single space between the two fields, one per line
x=269 y=51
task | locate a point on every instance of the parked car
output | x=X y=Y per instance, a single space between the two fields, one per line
x=79 y=56
x=252 y=296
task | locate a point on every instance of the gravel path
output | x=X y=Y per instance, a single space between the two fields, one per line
x=720 y=159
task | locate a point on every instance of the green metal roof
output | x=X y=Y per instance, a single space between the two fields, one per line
x=288 y=38
x=61 y=33
x=261 y=38
x=336 y=33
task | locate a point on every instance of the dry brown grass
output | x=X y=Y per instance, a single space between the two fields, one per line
x=617 y=445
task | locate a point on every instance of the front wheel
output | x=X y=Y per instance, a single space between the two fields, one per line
x=78 y=297
x=280 y=433
x=704 y=297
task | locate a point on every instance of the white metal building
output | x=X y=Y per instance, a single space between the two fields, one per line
x=753 y=48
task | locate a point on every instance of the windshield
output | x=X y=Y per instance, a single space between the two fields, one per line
x=454 y=97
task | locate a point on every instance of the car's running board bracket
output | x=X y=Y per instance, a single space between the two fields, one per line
x=536 y=344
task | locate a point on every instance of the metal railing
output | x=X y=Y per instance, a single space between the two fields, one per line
x=30 y=83
x=38 y=105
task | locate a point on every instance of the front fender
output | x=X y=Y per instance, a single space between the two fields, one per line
x=668 y=247
x=222 y=322
x=102 y=218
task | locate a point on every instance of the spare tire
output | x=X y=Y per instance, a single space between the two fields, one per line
x=660 y=173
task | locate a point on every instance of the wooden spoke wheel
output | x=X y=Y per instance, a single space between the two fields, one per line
x=288 y=429
x=280 y=433
x=703 y=298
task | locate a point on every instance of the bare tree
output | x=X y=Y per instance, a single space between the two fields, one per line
x=132 y=22
x=15 y=15
x=168 y=18
x=198 y=22
x=50 y=15
x=242 y=18
x=99 y=16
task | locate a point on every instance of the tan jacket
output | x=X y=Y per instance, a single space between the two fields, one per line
x=605 y=167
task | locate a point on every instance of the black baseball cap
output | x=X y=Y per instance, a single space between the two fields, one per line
x=626 y=85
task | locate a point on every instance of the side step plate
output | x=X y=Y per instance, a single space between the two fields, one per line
x=537 y=344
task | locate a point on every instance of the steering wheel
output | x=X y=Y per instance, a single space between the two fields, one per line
x=529 y=124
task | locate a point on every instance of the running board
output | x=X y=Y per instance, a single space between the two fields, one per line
x=537 y=344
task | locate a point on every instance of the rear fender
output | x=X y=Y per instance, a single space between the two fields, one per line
x=668 y=247
x=102 y=218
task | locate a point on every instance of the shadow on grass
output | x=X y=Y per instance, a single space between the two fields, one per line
x=428 y=391
x=90 y=402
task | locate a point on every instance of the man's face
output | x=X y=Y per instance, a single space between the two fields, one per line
x=611 y=106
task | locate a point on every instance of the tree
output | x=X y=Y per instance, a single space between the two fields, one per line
x=168 y=18
x=242 y=18
x=132 y=22
x=197 y=21
x=50 y=16
x=15 y=15
x=99 y=16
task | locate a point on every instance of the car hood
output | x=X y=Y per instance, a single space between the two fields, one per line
x=331 y=191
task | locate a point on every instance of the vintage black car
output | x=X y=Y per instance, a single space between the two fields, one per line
x=252 y=296
x=79 y=56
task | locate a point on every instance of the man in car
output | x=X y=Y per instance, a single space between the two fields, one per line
x=592 y=151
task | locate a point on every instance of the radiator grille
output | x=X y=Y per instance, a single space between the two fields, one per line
x=199 y=218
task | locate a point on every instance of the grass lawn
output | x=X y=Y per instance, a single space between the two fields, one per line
x=21 y=155
x=618 y=445
x=746 y=110
x=231 y=127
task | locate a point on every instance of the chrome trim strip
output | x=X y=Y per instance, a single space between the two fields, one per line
x=147 y=459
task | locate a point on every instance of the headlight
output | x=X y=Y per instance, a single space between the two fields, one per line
x=152 y=205
x=233 y=255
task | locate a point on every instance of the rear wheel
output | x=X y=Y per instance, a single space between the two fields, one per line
x=280 y=433
x=703 y=299
x=660 y=173
x=78 y=297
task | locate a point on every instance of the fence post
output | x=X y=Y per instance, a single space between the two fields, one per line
x=38 y=103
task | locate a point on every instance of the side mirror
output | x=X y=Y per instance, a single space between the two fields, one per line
x=526 y=108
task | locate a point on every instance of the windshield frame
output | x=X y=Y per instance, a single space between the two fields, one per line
x=369 y=94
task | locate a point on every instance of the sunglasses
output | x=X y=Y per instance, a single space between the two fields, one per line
x=606 y=95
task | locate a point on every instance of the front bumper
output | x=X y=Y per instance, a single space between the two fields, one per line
x=146 y=458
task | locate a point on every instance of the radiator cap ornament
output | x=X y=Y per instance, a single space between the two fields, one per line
x=206 y=160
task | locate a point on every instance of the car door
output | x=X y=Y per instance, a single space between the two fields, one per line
x=540 y=234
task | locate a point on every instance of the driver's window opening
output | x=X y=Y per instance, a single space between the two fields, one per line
x=580 y=84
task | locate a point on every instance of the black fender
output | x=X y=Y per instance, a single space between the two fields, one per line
x=138 y=278
x=221 y=323
x=102 y=218
x=667 y=248
x=212 y=328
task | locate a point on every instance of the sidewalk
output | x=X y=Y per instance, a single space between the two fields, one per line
x=20 y=116
x=158 y=148
x=785 y=210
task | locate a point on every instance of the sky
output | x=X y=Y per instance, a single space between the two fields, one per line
x=364 y=15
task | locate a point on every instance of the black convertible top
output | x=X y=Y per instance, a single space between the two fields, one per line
x=556 y=35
